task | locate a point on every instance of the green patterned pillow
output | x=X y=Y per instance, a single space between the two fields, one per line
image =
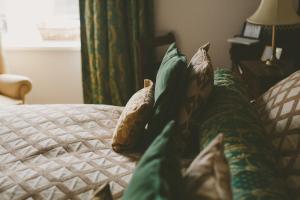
x=253 y=172
x=158 y=174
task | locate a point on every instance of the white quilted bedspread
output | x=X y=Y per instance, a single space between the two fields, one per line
x=60 y=152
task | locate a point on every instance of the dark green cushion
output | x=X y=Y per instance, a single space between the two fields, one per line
x=253 y=172
x=157 y=175
x=169 y=89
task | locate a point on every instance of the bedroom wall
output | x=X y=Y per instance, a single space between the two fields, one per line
x=55 y=73
x=197 y=21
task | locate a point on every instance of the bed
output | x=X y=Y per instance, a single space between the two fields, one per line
x=60 y=152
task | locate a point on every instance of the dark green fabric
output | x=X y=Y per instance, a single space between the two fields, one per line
x=109 y=30
x=253 y=172
x=169 y=89
x=157 y=176
x=298 y=7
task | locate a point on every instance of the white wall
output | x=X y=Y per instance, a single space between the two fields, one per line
x=55 y=73
x=197 y=21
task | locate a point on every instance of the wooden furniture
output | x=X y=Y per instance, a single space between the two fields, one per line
x=149 y=63
x=287 y=38
x=259 y=77
x=275 y=13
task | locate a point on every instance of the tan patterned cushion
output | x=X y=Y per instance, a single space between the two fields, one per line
x=279 y=109
x=199 y=87
x=208 y=176
x=136 y=114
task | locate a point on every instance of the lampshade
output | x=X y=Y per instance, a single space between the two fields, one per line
x=275 y=12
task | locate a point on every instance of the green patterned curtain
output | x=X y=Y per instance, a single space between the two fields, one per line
x=109 y=29
x=298 y=7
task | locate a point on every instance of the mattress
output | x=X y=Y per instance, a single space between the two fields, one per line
x=60 y=152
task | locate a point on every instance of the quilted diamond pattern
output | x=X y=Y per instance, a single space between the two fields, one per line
x=60 y=152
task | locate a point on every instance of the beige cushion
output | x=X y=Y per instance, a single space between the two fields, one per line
x=199 y=87
x=279 y=109
x=4 y=100
x=208 y=176
x=136 y=114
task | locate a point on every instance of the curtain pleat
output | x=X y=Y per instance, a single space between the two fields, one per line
x=109 y=30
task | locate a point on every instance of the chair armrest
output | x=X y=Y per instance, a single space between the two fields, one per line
x=14 y=86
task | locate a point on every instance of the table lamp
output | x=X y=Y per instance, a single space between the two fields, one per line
x=274 y=13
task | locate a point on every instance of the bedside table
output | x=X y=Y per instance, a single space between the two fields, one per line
x=259 y=77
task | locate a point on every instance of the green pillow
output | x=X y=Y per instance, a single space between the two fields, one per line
x=158 y=174
x=169 y=89
x=253 y=172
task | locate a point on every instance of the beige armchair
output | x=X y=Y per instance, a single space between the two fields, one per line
x=13 y=88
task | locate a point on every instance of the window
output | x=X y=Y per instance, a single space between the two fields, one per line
x=30 y=22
